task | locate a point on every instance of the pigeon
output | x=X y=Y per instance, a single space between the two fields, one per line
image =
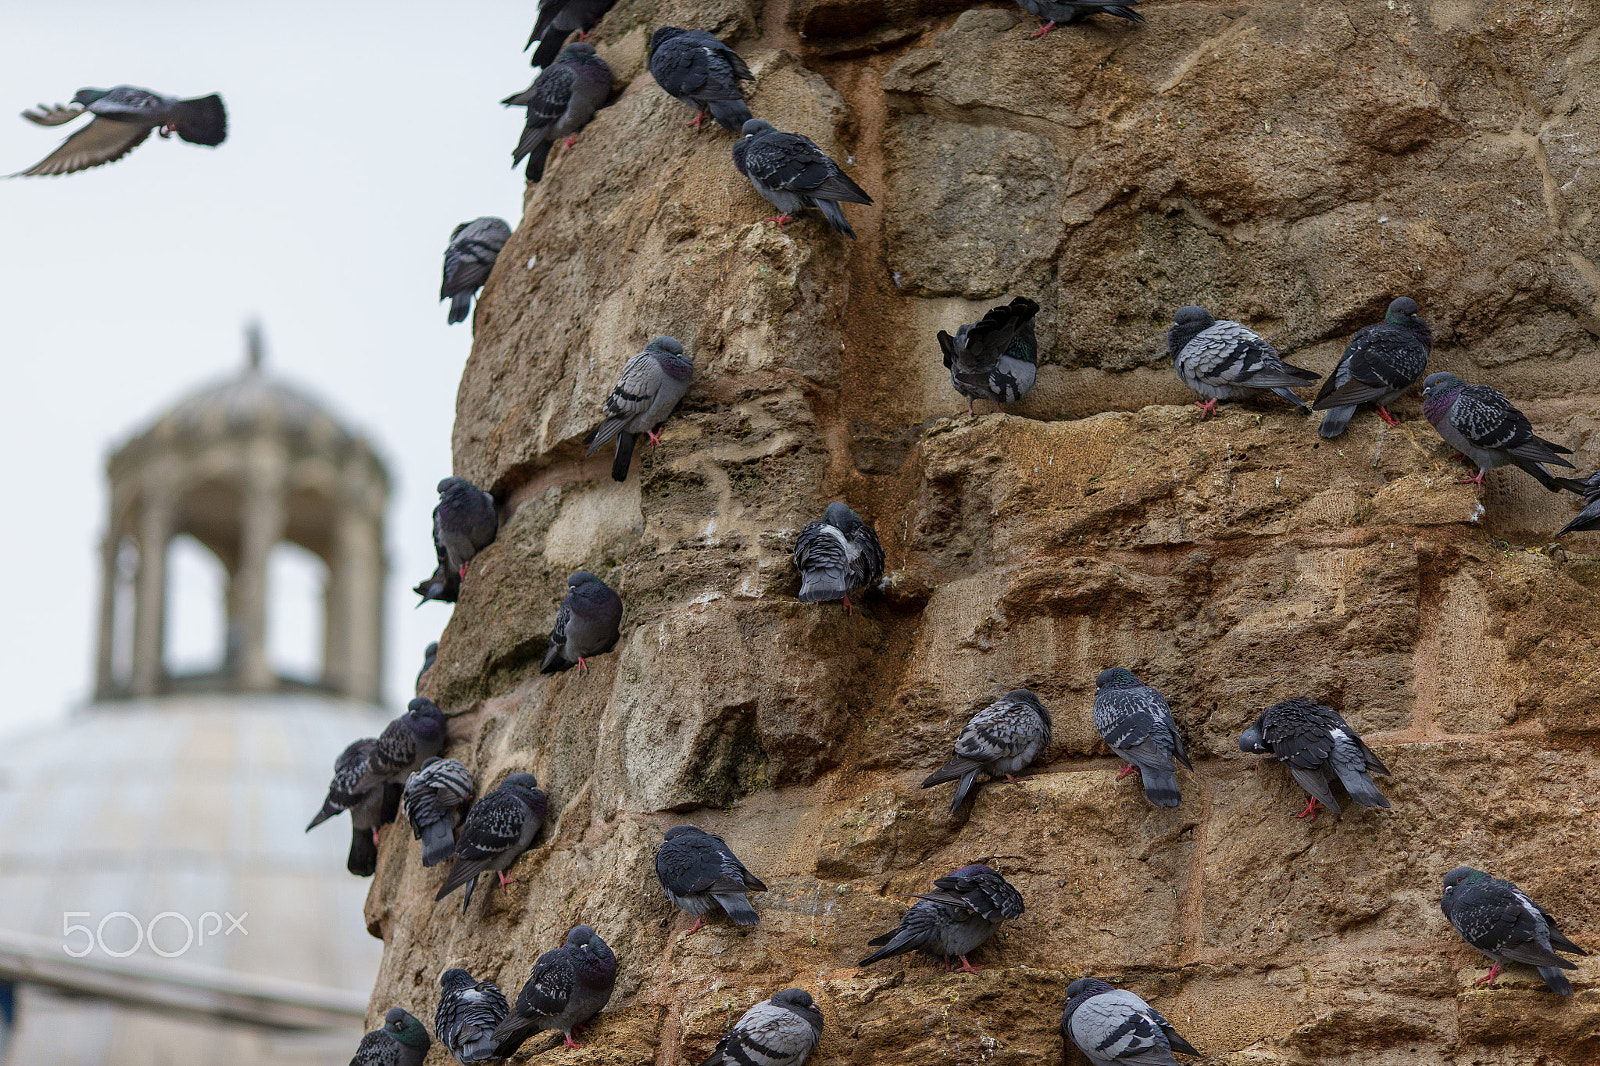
x=837 y=556
x=430 y=655
x=695 y=67
x=557 y=18
x=1480 y=423
x=1060 y=14
x=403 y=1041
x=1001 y=739
x=464 y=522
x=1499 y=919
x=123 y=118
x=1317 y=745
x=469 y=1010
x=1226 y=361
x=1113 y=1027
x=406 y=743
x=995 y=358
x=444 y=585
x=560 y=102
x=781 y=1031
x=468 y=258
x=650 y=386
x=698 y=872
x=1379 y=365
x=793 y=173
x=371 y=804
x=1135 y=721
x=1589 y=517
x=498 y=829
x=951 y=923
x=586 y=625
x=436 y=798
x=566 y=988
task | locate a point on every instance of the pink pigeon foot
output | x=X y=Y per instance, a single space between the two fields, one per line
x=1488 y=978
x=1383 y=413
x=583 y=665
x=847 y=610
x=655 y=437
x=967 y=967
x=462 y=574
x=1129 y=769
x=782 y=220
x=570 y=1042
x=694 y=123
x=504 y=880
x=969 y=406
x=570 y=141
x=1014 y=780
x=1311 y=808
x=1207 y=408
x=374 y=838
x=1478 y=480
x=695 y=928
x=1042 y=30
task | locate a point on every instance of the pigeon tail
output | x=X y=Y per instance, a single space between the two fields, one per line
x=201 y=121
x=1361 y=787
x=737 y=906
x=1544 y=477
x=1160 y=786
x=554 y=660
x=1555 y=980
x=510 y=1034
x=624 y=457
x=363 y=860
x=536 y=157
x=549 y=47
x=835 y=215
x=1334 y=421
x=1124 y=13
x=1292 y=398
x=824 y=586
x=437 y=843
x=460 y=305
x=895 y=942
x=731 y=115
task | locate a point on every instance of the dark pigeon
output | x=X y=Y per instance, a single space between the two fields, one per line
x=1318 y=746
x=1379 y=365
x=406 y=743
x=1061 y=14
x=430 y=655
x=1135 y=721
x=566 y=988
x=402 y=1041
x=464 y=522
x=1114 y=1027
x=837 y=556
x=699 y=873
x=995 y=358
x=371 y=803
x=1481 y=424
x=793 y=174
x=647 y=391
x=954 y=921
x=469 y=1010
x=436 y=799
x=498 y=829
x=474 y=246
x=1589 y=517
x=560 y=102
x=586 y=625
x=781 y=1031
x=557 y=19
x=1222 y=360
x=123 y=119
x=444 y=584
x=695 y=67
x=1500 y=920
x=1001 y=739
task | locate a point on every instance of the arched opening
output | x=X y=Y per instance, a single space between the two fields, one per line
x=196 y=628
x=122 y=611
x=296 y=581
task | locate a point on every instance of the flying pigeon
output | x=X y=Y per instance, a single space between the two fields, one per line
x=1480 y=423
x=371 y=804
x=123 y=118
x=567 y=987
x=1499 y=919
x=464 y=522
x=695 y=67
x=557 y=18
x=1001 y=739
x=430 y=655
x=498 y=829
x=951 y=923
x=406 y=743
x=586 y=624
x=469 y=1010
x=560 y=102
x=1589 y=517
x=837 y=556
x=793 y=173
x=650 y=386
x=781 y=1031
x=1114 y=1027
x=1135 y=721
x=436 y=798
x=1379 y=365
x=995 y=358
x=699 y=873
x=1226 y=361
x=402 y=1041
x=1060 y=14
x=1317 y=746
x=470 y=255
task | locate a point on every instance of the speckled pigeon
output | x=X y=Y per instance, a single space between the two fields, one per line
x=995 y=358
x=469 y=1010
x=586 y=624
x=1317 y=746
x=1589 y=517
x=695 y=67
x=430 y=655
x=1222 y=360
x=406 y=743
x=1379 y=365
x=1061 y=14
x=566 y=988
x=436 y=798
x=954 y=921
x=371 y=804
x=498 y=829
x=650 y=386
x=464 y=522
x=1001 y=739
x=401 y=1041
x=558 y=18
x=468 y=259
x=1135 y=721
x=793 y=174
x=1480 y=423
x=699 y=873
x=123 y=118
x=560 y=102
x=1114 y=1027
x=1500 y=920
x=781 y=1031
x=837 y=556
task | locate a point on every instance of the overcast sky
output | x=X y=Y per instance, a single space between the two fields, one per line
x=359 y=135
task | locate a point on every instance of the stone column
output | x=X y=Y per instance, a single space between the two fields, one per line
x=150 y=603
x=335 y=651
x=261 y=527
x=357 y=575
x=105 y=653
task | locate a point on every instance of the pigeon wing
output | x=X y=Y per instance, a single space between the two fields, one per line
x=102 y=141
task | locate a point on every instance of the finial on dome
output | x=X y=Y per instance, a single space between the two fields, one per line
x=253 y=345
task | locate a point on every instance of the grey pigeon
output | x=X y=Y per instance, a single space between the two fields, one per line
x=1061 y=14
x=954 y=921
x=1317 y=746
x=557 y=19
x=402 y=1041
x=1001 y=739
x=995 y=358
x=646 y=392
x=1481 y=424
x=1222 y=360
x=1500 y=920
x=781 y=1031
x=371 y=804
x=1113 y=1027
x=498 y=829
x=1589 y=517
x=699 y=873
x=436 y=798
x=406 y=743
x=430 y=655
x=566 y=988
x=123 y=118
x=464 y=522
x=586 y=624
x=837 y=556
x=1135 y=721
x=444 y=584
x=560 y=102
x=469 y=1010
x=468 y=258
x=695 y=67
x=793 y=174
x=1380 y=363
